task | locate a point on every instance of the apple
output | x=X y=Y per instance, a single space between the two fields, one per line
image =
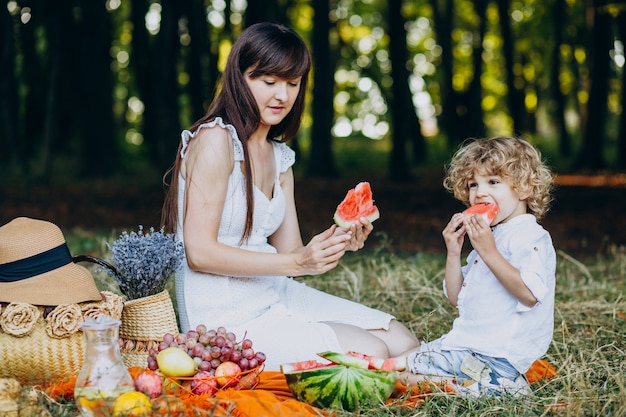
x=227 y=374
x=204 y=383
x=150 y=383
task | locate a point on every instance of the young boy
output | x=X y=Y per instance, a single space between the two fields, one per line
x=505 y=291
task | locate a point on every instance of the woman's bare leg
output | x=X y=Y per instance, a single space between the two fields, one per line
x=399 y=339
x=379 y=343
x=352 y=338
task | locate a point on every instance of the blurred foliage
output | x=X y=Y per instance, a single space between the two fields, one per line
x=52 y=139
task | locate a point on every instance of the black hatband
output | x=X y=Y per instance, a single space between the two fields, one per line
x=35 y=265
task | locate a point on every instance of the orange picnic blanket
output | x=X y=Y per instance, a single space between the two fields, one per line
x=272 y=397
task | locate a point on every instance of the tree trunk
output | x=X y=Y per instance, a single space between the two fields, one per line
x=34 y=79
x=405 y=123
x=167 y=47
x=59 y=92
x=97 y=131
x=449 y=121
x=515 y=96
x=321 y=162
x=564 y=140
x=8 y=95
x=154 y=63
x=591 y=154
x=471 y=115
x=199 y=59
x=621 y=138
x=266 y=11
x=51 y=112
x=141 y=66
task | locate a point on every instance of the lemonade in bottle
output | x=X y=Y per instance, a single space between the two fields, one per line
x=103 y=376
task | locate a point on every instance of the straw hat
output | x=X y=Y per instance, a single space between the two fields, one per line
x=36 y=266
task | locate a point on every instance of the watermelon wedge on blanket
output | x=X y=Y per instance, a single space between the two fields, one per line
x=357 y=203
x=487 y=211
x=356 y=361
x=338 y=386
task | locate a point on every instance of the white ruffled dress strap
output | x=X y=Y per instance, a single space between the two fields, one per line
x=187 y=135
x=286 y=157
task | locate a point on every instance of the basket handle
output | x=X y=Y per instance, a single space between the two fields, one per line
x=101 y=262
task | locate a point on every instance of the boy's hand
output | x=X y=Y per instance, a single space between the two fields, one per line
x=480 y=234
x=453 y=234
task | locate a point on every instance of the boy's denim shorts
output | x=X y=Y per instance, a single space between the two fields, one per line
x=432 y=360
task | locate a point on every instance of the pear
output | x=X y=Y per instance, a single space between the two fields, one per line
x=175 y=362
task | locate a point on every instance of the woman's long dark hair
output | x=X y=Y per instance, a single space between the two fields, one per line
x=267 y=49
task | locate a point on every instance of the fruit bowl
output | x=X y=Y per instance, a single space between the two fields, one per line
x=338 y=386
x=206 y=383
x=203 y=361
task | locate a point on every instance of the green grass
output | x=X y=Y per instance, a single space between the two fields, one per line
x=588 y=348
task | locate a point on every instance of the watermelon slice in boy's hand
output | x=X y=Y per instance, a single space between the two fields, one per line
x=487 y=211
x=357 y=203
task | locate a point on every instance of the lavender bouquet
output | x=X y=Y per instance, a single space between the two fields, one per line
x=143 y=262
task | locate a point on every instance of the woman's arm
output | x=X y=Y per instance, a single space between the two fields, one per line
x=207 y=167
x=287 y=238
x=323 y=251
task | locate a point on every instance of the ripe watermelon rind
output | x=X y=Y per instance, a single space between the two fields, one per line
x=344 y=359
x=342 y=387
x=346 y=223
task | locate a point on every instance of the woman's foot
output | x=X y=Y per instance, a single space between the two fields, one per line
x=385 y=364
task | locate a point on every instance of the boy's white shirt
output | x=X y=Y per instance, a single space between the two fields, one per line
x=491 y=321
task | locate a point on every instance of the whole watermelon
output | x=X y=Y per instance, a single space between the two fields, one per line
x=338 y=386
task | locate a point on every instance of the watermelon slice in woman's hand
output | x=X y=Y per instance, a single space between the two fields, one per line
x=486 y=211
x=357 y=203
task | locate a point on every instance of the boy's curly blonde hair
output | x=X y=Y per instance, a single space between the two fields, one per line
x=515 y=160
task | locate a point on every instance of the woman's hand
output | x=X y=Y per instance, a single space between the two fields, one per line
x=358 y=232
x=323 y=252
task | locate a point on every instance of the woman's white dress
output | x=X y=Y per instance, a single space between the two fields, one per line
x=283 y=317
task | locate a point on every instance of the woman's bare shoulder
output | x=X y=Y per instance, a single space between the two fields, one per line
x=211 y=150
x=214 y=141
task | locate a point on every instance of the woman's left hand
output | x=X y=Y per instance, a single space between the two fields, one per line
x=359 y=232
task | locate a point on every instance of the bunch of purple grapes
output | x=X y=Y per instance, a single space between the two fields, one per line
x=210 y=348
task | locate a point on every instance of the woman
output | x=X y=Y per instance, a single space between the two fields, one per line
x=231 y=201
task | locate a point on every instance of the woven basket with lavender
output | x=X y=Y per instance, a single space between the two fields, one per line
x=141 y=263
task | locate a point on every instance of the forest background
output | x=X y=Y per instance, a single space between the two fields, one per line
x=94 y=95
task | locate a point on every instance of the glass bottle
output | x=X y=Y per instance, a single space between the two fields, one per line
x=103 y=376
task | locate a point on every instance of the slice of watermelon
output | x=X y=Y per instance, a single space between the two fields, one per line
x=337 y=386
x=292 y=367
x=486 y=211
x=345 y=359
x=357 y=203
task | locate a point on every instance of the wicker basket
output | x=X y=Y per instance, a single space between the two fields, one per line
x=144 y=322
x=38 y=358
